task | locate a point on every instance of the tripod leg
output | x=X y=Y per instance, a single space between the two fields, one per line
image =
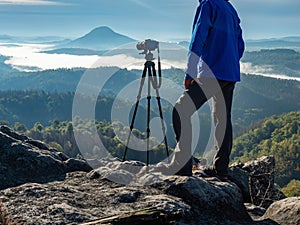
x=156 y=87
x=148 y=112
x=135 y=111
x=162 y=122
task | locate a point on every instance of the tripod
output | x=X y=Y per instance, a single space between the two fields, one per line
x=149 y=67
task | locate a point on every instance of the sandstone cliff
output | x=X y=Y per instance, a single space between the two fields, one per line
x=40 y=185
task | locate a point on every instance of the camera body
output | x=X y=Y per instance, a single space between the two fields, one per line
x=147 y=45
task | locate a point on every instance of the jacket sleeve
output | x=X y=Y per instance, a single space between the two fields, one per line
x=200 y=33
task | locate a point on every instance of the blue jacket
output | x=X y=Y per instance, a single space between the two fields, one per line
x=217 y=44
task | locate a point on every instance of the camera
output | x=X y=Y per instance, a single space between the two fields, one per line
x=147 y=45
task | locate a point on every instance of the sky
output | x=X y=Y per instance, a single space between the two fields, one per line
x=140 y=19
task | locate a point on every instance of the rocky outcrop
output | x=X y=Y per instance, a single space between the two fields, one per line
x=256 y=180
x=262 y=182
x=43 y=186
x=285 y=212
x=80 y=199
x=24 y=160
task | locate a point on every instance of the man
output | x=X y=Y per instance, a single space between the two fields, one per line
x=213 y=69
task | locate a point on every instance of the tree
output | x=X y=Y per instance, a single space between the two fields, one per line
x=278 y=136
x=292 y=189
x=19 y=127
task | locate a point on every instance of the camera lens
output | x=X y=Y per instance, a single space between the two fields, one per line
x=141 y=45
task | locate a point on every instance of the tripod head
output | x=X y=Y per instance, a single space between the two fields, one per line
x=148 y=55
x=147 y=46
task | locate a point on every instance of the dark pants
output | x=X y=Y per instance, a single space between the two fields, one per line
x=190 y=101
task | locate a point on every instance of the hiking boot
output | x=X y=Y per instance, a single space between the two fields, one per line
x=182 y=173
x=210 y=172
x=186 y=170
x=223 y=178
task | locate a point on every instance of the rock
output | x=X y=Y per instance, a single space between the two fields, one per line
x=24 y=160
x=149 y=216
x=11 y=133
x=254 y=211
x=221 y=200
x=241 y=178
x=261 y=183
x=79 y=199
x=43 y=186
x=73 y=165
x=285 y=212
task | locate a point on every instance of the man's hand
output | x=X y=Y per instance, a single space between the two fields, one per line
x=187 y=83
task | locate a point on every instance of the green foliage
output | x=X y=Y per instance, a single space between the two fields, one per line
x=292 y=189
x=60 y=80
x=28 y=107
x=60 y=135
x=48 y=95
x=19 y=127
x=278 y=136
x=45 y=95
x=4 y=122
x=55 y=145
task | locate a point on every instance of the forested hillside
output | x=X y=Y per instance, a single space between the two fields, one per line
x=278 y=136
x=258 y=97
x=50 y=95
x=277 y=61
x=285 y=58
x=60 y=135
x=29 y=107
x=31 y=98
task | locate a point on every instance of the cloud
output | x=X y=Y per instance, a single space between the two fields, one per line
x=152 y=8
x=29 y=2
x=142 y=4
x=266 y=71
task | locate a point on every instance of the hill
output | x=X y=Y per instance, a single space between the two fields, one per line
x=75 y=51
x=271 y=43
x=49 y=95
x=100 y=38
x=276 y=61
x=4 y=68
x=33 y=39
x=285 y=42
x=278 y=136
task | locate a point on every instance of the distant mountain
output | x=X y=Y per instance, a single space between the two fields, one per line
x=100 y=38
x=185 y=44
x=75 y=51
x=7 y=38
x=35 y=40
x=292 y=39
x=286 y=42
x=45 y=39
x=257 y=44
x=287 y=39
